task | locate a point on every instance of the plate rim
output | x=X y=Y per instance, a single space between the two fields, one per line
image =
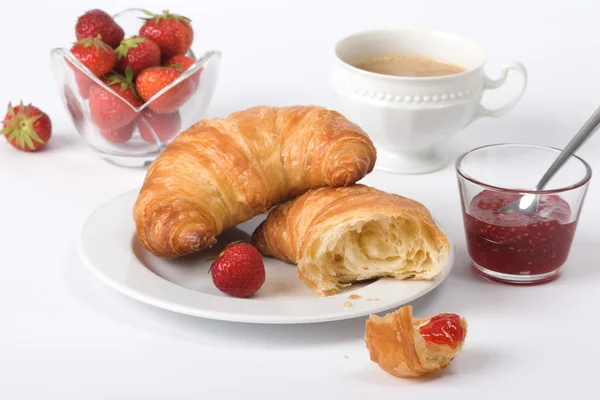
x=152 y=300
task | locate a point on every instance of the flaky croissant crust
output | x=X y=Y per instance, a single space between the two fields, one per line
x=222 y=172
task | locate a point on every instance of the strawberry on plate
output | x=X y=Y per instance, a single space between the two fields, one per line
x=120 y=135
x=138 y=53
x=184 y=62
x=26 y=127
x=173 y=33
x=152 y=80
x=114 y=109
x=239 y=270
x=164 y=126
x=97 y=22
x=96 y=55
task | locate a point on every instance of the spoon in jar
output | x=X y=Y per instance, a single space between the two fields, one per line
x=529 y=203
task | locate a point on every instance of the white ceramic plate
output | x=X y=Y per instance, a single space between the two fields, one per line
x=109 y=246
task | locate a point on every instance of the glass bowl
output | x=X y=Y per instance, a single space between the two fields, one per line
x=142 y=140
x=518 y=247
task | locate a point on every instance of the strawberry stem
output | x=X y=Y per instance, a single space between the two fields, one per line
x=127 y=44
x=93 y=41
x=165 y=15
x=124 y=82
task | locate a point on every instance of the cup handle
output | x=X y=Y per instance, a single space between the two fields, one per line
x=489 y=83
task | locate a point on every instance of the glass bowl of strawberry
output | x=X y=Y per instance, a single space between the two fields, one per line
x=131 y=82
x=519 y=247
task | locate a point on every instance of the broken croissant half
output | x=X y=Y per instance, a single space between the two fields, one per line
x=410 y=347
x=338 y=236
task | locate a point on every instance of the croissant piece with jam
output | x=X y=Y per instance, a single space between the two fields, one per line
x=410 y=347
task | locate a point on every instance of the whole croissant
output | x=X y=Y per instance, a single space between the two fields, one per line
x=222 y=172
x=338 y=236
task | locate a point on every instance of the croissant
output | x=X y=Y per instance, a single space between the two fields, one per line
x=338 y=236
x=222 y=172
x=410 y=347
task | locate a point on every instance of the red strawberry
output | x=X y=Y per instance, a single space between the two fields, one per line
x=96 y=55
x=239 y=270
x=165 y=126
x=184 y=62
x=26 y=127
x=153 y=80
x=173 y=33
x=138 y=53
x=97 y=22
x=120 y=135
x=109 y=109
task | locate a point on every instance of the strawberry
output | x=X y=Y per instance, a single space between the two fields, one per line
x=137 y=53
x=184 y=62
x=26 y=127
x=165 y=126
x=173 y=33
x=120 y=135
x=239 y=270
x=96 y=55
x=98 y=22
x=109 y=109
x=152 y=80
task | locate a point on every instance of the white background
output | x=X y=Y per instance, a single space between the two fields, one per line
x=65 y=335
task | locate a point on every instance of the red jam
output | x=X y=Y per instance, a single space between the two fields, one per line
x=519 y=243
x=443 y=329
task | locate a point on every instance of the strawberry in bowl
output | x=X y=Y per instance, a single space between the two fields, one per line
x=114 y=107
x=131 y=82
x=153 y=125
x=173 y=33
x=184 y=62
x=97 y=23
x=153 y=80
x=137 y=53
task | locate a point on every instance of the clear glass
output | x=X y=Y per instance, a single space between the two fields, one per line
x=147 y=135
x=516 y=247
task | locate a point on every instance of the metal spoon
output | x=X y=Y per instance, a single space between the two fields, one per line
x=529 y=203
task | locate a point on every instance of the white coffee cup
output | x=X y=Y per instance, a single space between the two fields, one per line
x=410 y=118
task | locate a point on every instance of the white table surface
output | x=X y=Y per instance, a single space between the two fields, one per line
x=65 y=335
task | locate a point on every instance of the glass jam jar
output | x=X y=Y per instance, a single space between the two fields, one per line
x=518 y=247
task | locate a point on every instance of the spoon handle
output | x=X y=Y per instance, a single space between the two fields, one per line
x=584 y=133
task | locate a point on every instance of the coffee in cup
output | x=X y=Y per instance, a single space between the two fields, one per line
x=408 y=65
x=412 y=90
